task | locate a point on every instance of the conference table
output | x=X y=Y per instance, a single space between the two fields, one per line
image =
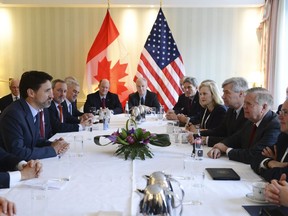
x=101 y=183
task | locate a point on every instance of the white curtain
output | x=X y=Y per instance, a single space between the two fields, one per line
x=281 y=66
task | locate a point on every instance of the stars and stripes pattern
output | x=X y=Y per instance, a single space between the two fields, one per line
x=161 y=63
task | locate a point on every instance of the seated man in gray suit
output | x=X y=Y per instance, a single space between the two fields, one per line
x=143 y=96
x=260 y=131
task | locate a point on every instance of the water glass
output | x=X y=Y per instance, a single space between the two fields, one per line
x=93 y=110
x=38 y=201
x=79 y=145
x=64 y=167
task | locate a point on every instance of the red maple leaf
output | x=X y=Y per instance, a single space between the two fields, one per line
x=113 y=75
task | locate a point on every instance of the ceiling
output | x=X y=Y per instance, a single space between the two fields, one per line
x=133 y=3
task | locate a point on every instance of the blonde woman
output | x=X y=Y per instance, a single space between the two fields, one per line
x=210 y=99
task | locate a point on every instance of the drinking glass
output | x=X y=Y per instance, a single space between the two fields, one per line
x=193 y=183
x=93 y=110
x=38 y=201
x=78 y=145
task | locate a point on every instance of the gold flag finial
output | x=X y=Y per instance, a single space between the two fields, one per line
x=161 y=3
x=108 y=4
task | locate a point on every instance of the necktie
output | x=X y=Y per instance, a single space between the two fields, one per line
x=60 y=113
x=16 y=98
x=103 y=103
x=42 y=127
x=252 y=135
x=142 y=101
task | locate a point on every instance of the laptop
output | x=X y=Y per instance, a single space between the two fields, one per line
x=223 y=174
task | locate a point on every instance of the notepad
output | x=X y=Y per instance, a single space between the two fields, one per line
x=223 y=174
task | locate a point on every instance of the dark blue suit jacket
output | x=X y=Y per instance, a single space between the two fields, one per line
x=194 y=111
x=112 y=102
x=229 y=126
x=8 y=162
x=151 y=100
x=69 y=118
x=5 y=101
x=57 y=126
x=266 y=135
x=274 y=173
x=19 y=135
x=75 y=111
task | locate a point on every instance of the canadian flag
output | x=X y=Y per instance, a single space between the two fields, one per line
x=108 y=59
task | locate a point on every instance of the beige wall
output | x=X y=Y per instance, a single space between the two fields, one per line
x=215 y=43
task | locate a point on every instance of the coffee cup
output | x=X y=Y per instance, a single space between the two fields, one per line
x=259 y=190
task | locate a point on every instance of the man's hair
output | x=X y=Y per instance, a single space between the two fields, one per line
x=262 y=95
x=32 y=80
x=71 y=82
x=56 y=81
x=191 y=80
x=238 y=84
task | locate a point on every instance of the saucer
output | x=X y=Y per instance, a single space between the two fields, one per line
x=250 y=197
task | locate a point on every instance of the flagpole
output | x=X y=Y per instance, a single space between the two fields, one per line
x=161 y=3
x=108 y=3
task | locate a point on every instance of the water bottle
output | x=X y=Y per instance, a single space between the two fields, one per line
x=127 y=109
x=198 y=148
x=106 y=119
x=101 y=115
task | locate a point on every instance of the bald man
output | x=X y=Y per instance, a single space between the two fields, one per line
x=14 y=95
x=143 y=96
x=103 y=98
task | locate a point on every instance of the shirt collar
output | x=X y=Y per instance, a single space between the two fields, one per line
x=33 y=110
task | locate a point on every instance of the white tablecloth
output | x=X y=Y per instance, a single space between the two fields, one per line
x=102 y=183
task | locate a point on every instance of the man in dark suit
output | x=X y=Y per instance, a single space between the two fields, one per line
x=14 y=95
x=61 y=120
x=260 y=131
x=234 y=91
x=143 y=96
x=70 y=102
x=103 y=98
x=188 y=104
x=273 y=161
x=19 y=123
x=9 y=162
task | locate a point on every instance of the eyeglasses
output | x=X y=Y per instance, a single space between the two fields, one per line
x=283 y=112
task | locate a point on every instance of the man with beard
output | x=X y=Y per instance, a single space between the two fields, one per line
x=61 y=120
x=20 y=122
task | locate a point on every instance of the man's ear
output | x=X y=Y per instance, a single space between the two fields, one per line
x=30 y=92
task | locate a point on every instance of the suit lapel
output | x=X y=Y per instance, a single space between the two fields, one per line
x=30 y=121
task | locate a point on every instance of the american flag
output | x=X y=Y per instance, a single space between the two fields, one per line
x=161 y=63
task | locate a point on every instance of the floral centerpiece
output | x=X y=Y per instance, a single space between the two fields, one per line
x=134 y=142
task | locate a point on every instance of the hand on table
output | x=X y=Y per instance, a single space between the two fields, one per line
x=214 y=153
x=7 y=208
x=277 y=191
x=60 y=146
x=32 y=169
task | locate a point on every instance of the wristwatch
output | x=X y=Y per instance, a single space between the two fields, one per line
x=266 y=163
